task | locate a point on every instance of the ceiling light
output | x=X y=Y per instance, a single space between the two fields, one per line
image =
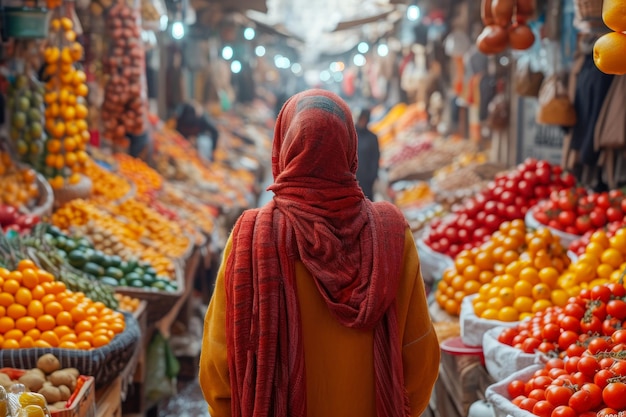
x=259 y=50
x=413 y=13
x=359 y=60
x=178 y=30
x=249 y=34
x=235 y=67
x=227 y=53
x=383 y=50
x=363 y=47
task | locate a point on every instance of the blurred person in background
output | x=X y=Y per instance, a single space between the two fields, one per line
x=194 y=124
x=369 y=154
x=319 y=307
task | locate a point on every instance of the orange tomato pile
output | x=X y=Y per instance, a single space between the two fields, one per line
x=122 y=238
x=146 y=179
x=127 y=303
x=38 y=311
x=167 y=235
x=106 y=185
x=18 y=186
x=604 y=261
x=514 y=274
x=66 y=106
x=609 y=49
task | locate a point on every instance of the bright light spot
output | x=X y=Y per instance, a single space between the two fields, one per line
x=363 y=47
x=249 y=34
x=282 y=61
x=504 y=61
x=259 y=50
x=324 y=75
x=338 y=77
x=178 y=30
x=413 y=13
x=163 y=22
x=382 y=49
x=235 y=67
x=359 y=60
x=337 y=66
x=296 y=68
x=227 y=53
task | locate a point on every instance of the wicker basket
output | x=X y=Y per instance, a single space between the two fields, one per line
x=44 y=206
x=159 y=302
x=104 y=363
x=71 y=192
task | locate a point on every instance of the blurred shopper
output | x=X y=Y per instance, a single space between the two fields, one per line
x=194 y=124
x=319 y=307
x=369 y=154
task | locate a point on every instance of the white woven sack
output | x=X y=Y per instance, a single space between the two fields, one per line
x=473 y=328
x=502 y=360
x=433 y=264
x=498 y=396
x=531 y=222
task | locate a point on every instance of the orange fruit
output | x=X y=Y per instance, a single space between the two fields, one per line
x=549 y=275
x=10 y=344
x=23 y=296
x=26 y=323
x=16 y=311
x=67 y=344
x=35 y=308
x=27 y=342
x=38 y=292
x=490 y=314
x=34 y=333
x=612 y=256
x=53 y=308
x=46 y=322
x=508 y=314
x=11 y=286
x=64 y=318
x=70 y=337
x=48 y=298
x=6 y=324
x=30 y=278
x=523 y=304
x=614 y=14
x=62 y=331
x=83 y=345
x=118 y=327
x=83 y=326
x=6 y=299
x=100 y=340
x=85 y=335
x=42 y=344
x=26 y=264
x=45 y=276
x=4 y=273
x=50 y=337
x=78 y=314
x=15 y=334
x=3 y=311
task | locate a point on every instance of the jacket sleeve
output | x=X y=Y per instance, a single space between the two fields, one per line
x=213 y=375
x=420 y=346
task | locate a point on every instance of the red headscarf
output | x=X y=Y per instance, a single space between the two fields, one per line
x=352 y=247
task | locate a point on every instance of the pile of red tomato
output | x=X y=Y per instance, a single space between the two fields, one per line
x=507 y=198
x=577 y=212
x=586 y=343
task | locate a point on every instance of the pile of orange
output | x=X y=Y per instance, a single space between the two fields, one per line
x=87 y=218
x=66 y=106
x=38 y=311
x=18 y=185
x=146 y=179
x=106 y=184
x=127 y=303
x=493 y=270
x=604 y=261
x=168 y=236
x=610 y=49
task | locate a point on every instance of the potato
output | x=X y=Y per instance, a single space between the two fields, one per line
x=48 y=363
x=5 y=380
x=59 y=405
x=73 y=371
x=66 y=393
x=32 y=380
x=63 y=377
x=52 y=394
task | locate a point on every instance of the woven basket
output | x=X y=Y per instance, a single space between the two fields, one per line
x=159 y=302
x=46 y=198
x=104 y=363
x=588 y=9
x=71 y=192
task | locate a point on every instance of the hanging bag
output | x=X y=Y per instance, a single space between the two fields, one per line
x=527 y=80
x=555 y=106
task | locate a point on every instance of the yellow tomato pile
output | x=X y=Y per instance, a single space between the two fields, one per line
x=37 y=311
x=127 y=303
x=125 y=238
x=18 y=186
x=495 y=269
x=145 y=178
x=604 y=261
x=167 y=235
x=66 y=106
x=106 y=184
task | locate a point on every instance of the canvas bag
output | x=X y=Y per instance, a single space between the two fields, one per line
x=555 y=106
x=610 y=130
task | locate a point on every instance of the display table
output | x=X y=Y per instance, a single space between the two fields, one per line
x=109 y=399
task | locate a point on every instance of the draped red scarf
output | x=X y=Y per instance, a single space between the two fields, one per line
x=352 y=247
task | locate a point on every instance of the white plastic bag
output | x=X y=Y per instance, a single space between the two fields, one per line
x=497 y=394
x=433 y=263
x=502 y=360
x=473 y=328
